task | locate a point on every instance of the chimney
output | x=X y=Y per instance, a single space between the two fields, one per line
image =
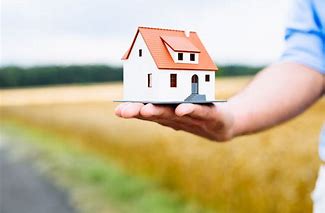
x=187 y=33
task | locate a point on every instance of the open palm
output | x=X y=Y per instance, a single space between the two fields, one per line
x=210 y=121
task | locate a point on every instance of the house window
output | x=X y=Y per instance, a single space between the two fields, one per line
x=192 y=57
x=173 y=80
x=180 y=56
x=150 y=80
x=140 y=52
x=207 y=78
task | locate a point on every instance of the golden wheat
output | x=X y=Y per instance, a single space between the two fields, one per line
x=273 y=171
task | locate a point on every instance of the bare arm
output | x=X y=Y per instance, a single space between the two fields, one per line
x=276 y=94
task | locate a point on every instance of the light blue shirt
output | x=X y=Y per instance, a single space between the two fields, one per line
x=305 y=41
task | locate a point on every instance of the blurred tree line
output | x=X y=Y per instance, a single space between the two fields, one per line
x=237 y=70
x=14 y=76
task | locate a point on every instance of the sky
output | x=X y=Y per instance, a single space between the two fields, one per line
x=42 y=32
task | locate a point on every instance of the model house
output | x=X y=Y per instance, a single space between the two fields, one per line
x=164 y=65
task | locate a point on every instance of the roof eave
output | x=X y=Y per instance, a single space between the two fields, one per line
x=188 y=69
x=127 y=53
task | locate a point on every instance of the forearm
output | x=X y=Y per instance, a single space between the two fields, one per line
x=276 y=94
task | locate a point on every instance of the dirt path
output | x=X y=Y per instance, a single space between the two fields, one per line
x=23 y=189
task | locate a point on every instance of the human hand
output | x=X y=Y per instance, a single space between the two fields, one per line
x=213 y=122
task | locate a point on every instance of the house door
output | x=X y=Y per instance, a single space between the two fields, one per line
x=195 y=84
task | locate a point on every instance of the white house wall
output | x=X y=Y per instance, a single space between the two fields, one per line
x=135 y=72
x=184 y=85
x=135 y=79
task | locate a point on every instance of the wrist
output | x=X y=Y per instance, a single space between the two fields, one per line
x=237 y=127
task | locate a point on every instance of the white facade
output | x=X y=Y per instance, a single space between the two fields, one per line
x=184 y=85
x=135 y=73
x=135 y=78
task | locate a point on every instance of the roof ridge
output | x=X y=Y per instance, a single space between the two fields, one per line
x=157 y=28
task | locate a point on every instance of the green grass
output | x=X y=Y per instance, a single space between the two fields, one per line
x=95 y=184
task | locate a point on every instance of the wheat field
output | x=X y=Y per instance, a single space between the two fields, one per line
x=273 y=171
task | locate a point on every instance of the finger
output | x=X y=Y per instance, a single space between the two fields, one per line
x=184 y=109
x=157 y=112
x=131 y=110
x=205 y=112
x=119 y=108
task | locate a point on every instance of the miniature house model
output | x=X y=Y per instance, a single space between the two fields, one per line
x=164 y=65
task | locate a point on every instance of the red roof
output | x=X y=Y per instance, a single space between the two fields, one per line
x=178 y=41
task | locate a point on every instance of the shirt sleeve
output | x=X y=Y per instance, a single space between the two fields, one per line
x=305 y=37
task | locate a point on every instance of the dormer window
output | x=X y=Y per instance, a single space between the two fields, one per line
x=182 y=49
x=180 y=56
x=140 y=52
x=192 y=57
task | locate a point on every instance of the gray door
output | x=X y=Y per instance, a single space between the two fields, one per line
x=195 y=84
